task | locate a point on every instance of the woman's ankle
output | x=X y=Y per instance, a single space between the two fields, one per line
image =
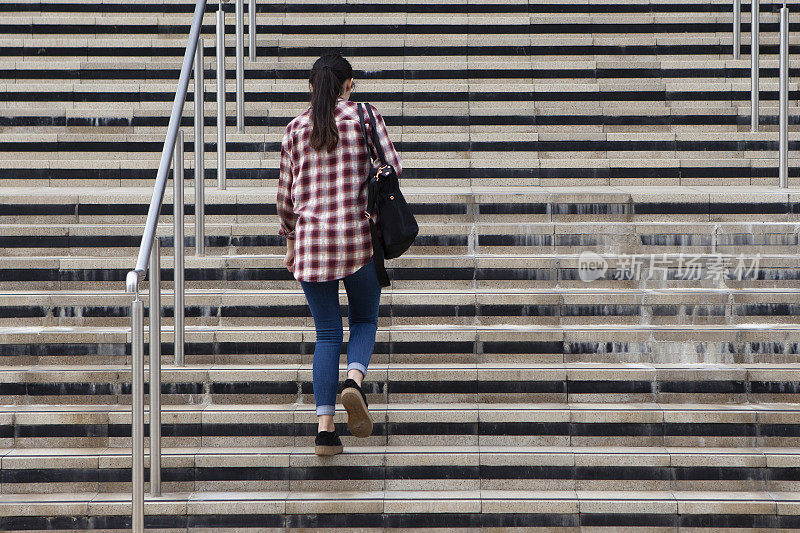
x=325 y=423
x=355 y=375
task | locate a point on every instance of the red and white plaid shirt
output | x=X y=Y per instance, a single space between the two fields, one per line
x=322 y=197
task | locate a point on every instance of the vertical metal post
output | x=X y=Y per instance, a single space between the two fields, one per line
x=155 y=368
x=178 y=247
x=251 y=28
x=199 y=152
x=137 y=415
x=221 y=97
x=754 y=65
x=737 y=28
x=783 y=144
x=240 y=66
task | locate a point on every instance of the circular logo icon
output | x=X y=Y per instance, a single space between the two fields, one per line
x=591 y=266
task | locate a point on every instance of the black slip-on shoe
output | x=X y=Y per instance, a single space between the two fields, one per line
x=327 y=443
x=355 y=403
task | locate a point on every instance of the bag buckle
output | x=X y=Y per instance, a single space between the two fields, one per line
x=378 y=172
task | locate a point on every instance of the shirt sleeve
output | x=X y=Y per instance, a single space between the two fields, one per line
x=392 y=157
x=284 y=204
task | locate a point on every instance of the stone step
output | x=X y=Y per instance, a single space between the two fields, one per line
x=76 y=238
x=589 y=205
x=393 y=383
x=637 y=169
x=146 y=121
x=265 y=67
x=404 y=118
x=429 y=468
x=284 y=51
x=623 y=91
x=99 y=20
x=407 y=307
x=477 y=271
x=463 y=424
x=275 y=33
x=416 y=344
x=120 y=7
x=124 y=96
x=387 y=510
x=160 y=28
x=159 y=35
x=153 y=72
x=141 y=142
x=37 y=144
x=410 y=113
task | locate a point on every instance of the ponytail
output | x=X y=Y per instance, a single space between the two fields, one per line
x=327 y=76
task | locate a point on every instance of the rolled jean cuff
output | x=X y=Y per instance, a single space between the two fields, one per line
x=357 y=366
x=325 y=410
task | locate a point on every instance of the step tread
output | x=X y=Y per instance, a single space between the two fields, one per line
x=421 y=367
x=256 y=258
x=789 y=225
x=482 y=494
x=402 y=450
x=398 y=506
x=532 y=328
x=126 y=192
x=13 y=293
x=463 y=407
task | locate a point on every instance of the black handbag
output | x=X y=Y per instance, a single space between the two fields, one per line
x=396 y=228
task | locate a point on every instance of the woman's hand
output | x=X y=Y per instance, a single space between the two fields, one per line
x=289 y=259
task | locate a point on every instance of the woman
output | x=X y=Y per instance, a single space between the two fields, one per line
x=321 y=200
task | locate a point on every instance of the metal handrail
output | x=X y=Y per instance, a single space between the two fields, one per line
x=240 y=66
x=754 y=65
x=149 y=248
x=221 y=140
x=149 y=251
x=251 y=28
x=135 y=275
x=737 y=28
x=783 y=100
x=199 y=152
x=783 y=79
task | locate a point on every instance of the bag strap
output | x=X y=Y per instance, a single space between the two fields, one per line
x=364 y=131
x=370 y=185
x=377 y=250
x=375 y=139
x=370 y=199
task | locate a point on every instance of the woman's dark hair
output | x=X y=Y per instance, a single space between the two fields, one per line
x=328 y=74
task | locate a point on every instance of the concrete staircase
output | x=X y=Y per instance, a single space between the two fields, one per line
x=509 y=394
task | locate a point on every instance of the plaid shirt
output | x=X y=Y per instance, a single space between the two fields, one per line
x=322 y=197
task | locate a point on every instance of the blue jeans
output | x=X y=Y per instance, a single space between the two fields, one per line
x=363 y=297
